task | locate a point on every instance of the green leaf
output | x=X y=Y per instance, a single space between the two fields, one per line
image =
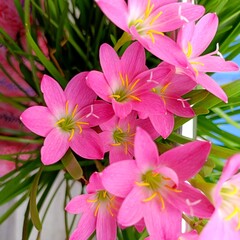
x=72 y=166
x=33 y=201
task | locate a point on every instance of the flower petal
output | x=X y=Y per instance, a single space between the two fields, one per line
x=77 y=92
x=53 y=95
x=106 y=227
x=87 y=144
x=95 y=183
x=163 y=123
x=133 y=60
x=54 y=147
x=38 y=119
x=85 y=228
x=78 y=204
x=117 y=153
x=204 y=33
x=191 y=201
x=122 y=109
x=116 y=11
x=118 y=178
x=145 y=150
x=131 y=211
x=98 y=83
x=209 y=84
x=214 y=64
x=162 y=224
x=191 y=155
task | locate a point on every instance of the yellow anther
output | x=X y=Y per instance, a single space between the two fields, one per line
x=60 y=121
x=122 y=79
x=115 y=144
x=134 y=84
x=92 y=200
x=197 y=63
x=125 y=147
x=82 y=123
x=234 y=191
x=138 y=21
x=155 y=18
x=110 y=211
x=173 y=189
x=189 y=50
x=151 y=36
x=149 y=9
x=163 y=89
x=66 y=107
x=96 y=210
x=127 y=80
x=161 y=200
x=154 y=90
x=135 y=98
x=119 y=129
x=74 y=110
x=231 y=215
x=154 y=174
x=196 y=71
x=115 y=96
x=153 y=31
x=71 y=134
x=150 y=198
x=129 y=128
x=104 y=194
x=142 y=184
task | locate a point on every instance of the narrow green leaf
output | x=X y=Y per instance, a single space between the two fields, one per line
x=33 y=201
x=72 y=166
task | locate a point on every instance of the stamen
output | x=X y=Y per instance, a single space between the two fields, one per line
x=119 y=129
x=135 y=98
x=128 y=129
x=150 y=198
x=234 y=191
x=96 y=210
x=125 y=147
x=134 y=84
x=110 y=211
x=196 y=71
x=115 y=144
x=151 y=36
x=115 y=96
x=104 y=194
x=231 y=215
x=60 y=121
x=197 y=63
x=149 y=9
x=189 y=51
x=162 y=200
x=74 y=110
x=66 y=107
x=92 y=200
x=142 y=184
x=164 y=88
x=122 y=80
x=138 y=21
x=71 y=135
x=127 y=80
x=155 y=18
x=172 y=189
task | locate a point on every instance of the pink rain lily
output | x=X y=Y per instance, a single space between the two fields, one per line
x=170 y=91
x=192 y=235
x=225 y=221
x=67 y=119
x=98 y=209
x=125 y=82
x=155 y=187
x=147 y=20
x=194 y=40
x=118 y=135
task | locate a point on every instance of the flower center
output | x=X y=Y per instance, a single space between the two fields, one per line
x=230 y=206
x=126 y=91
x=103 y=199
x=145 y=23
x=69 y=123
x=123 y=138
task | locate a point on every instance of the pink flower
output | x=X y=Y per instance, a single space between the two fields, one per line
x=154 y=186
x=192 y=235
x=147 y=20
x=125 y=81
x=118 y=135
x=170 y=91
x=67 y=119
x=225 y=221
x=98 y=211
x=194 y=39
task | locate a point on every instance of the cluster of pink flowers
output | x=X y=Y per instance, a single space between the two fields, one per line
x=123 y=109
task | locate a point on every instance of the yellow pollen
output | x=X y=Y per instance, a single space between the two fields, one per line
x=231 y=215
x=135 y=98
x=162 y=200
x=66 y=107
x=189 y=50
x=134 y=84
x=149 y=9
x=115 y=144
x=150 y=198
x=138 y=21
x=151 y=36
x=74 y=110
x=96 y=210
x=142 y=184
x=119 y=129
x=197 y=63
x=155 y=18
x=104 y=194
x=173 y=189
x=151 y=32
x=163 y=90
x=82 y=123
x=60 y=121
x=127 y=80
x=234 y=191
x=71 y=135
x=128 y=130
